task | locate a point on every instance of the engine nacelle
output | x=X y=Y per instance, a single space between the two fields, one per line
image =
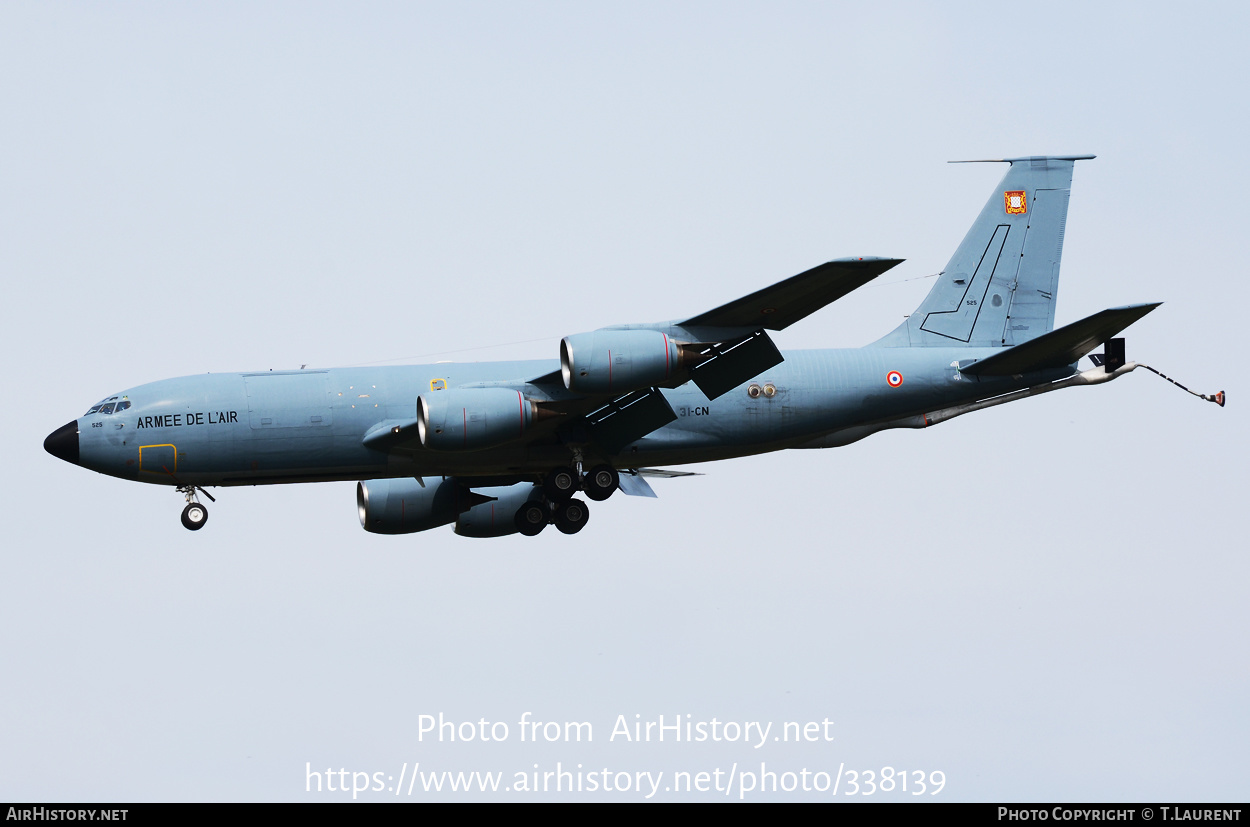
x=402 y=506
x=469 y=419
x=608 y=361
x=496 y=518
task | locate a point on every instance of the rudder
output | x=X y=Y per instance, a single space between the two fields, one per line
x=999 y=288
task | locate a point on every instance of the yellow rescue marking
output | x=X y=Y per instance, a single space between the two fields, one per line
x=161 y=470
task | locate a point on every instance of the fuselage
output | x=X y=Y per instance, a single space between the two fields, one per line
x=310 y=425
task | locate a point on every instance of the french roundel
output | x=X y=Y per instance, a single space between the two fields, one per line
x=894 y=379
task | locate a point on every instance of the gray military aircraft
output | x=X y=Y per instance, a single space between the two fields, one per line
x=499 y=448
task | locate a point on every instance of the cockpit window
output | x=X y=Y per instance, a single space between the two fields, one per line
x=108 y=406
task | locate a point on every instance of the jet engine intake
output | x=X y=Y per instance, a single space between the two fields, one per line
x=611 y=361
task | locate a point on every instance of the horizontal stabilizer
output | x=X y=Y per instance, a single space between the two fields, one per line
x=786 y=302
x=1062 y=346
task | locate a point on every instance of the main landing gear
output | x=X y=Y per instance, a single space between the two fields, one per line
x=195 y=515
x=558 y=505
x=601 y=482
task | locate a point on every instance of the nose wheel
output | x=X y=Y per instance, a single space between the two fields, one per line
x=195 y=515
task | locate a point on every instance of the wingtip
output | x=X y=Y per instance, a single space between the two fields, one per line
x=1144 y=307
x=869 y=260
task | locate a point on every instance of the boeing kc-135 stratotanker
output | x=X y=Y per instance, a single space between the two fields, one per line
x=503 y=447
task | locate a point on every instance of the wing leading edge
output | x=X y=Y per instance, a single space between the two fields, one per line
x=782 y=304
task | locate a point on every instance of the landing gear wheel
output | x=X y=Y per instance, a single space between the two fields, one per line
x=560 y=484
x=194 y=516
x=571 y=516
x=532 y=518
x=601 y=482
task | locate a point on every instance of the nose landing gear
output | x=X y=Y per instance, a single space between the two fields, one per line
x=195 y=515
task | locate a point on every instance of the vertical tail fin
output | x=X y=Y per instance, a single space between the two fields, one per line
x=999 y=288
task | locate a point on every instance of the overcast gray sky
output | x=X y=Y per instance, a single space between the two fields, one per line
x=1045 y=601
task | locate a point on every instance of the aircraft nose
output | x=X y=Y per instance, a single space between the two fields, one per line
x=63 y=442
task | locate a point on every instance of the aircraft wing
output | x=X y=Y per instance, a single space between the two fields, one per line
x=734 y=348
x=786 y=302
x=1062 y=346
